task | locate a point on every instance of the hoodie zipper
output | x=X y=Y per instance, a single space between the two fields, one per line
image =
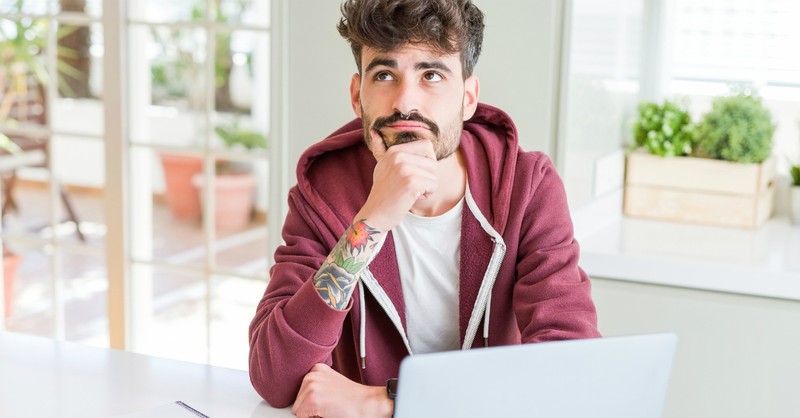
x=492 y=270
x=484 y=294
x=383 y=300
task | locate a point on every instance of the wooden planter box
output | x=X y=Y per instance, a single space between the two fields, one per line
x=699 y=190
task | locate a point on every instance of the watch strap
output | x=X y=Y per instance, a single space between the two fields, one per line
x=391 y=388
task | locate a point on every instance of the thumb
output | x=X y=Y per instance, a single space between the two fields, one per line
x=376 y=144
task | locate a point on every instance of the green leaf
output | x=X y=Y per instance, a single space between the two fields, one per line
x=795 y=171
x=232 y=135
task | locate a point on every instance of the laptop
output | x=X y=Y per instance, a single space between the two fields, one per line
x=612 y=377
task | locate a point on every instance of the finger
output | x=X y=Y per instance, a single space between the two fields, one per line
x=422 y=147
x=299 y=408
x=377 y=146
x=298 y=402
x=427 y=189
x=417 y=186
x=417 y=161
x=427 y=149
x=301 y=394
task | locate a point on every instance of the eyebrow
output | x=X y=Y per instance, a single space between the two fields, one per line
x=425 y=65
x=386 y=62
x=433 y=65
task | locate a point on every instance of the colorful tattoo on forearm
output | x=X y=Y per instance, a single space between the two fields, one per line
x=337 y=278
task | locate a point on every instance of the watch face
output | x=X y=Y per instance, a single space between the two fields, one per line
x=391 y=388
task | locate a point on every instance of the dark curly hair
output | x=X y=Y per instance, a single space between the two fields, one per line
x=447 y=26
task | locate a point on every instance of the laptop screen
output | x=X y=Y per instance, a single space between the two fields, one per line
x=619 y=377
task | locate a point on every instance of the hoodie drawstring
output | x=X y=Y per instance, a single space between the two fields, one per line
x=486 y=320
x=362 y=333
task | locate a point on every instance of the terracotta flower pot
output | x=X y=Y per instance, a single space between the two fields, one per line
x=182 y=197
x=10 y=263
x=234 y=199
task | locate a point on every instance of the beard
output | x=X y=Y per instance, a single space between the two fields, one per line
x=445 y=141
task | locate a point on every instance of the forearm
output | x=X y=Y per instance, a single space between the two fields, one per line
x=338 y=276
x=287 y=338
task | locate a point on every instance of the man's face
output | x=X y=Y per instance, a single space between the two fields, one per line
x=413 y=93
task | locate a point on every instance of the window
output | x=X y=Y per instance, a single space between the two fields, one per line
x=602 y=76
x=195 y=91
x=622 y=52
x=716 y=44
x=53 y=225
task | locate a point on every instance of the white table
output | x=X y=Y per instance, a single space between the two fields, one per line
x=41 y=377
x=763 y=262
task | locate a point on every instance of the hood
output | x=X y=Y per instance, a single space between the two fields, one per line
x=337 y=198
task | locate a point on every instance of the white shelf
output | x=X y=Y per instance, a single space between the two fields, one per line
x=759 y=262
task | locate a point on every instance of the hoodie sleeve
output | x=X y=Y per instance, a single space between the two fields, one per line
x=552 y=296
x=293 y=327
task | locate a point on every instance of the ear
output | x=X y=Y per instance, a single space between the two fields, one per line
x=471 y=91
x=355 y=94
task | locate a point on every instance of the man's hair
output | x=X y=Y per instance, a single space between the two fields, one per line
x=446 y=26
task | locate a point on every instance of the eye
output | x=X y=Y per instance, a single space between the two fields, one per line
x=432 y=76
x=384 y=76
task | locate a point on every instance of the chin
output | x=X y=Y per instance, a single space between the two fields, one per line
x=405 y=137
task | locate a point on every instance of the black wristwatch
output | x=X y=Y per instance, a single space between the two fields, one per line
x=391 y=388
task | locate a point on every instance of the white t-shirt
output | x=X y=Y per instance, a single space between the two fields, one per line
x=428 y=255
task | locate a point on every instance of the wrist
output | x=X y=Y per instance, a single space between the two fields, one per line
x=383 y=406
x=375 y=221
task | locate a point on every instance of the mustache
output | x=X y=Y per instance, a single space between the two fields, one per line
x=381 y=123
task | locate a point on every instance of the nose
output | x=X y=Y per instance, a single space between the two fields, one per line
x=407 y=97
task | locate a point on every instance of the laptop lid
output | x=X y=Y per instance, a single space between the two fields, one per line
x=615 y=377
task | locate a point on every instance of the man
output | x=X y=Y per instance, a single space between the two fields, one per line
x=419 y=227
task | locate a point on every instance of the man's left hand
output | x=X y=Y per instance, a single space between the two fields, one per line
x=326 y=393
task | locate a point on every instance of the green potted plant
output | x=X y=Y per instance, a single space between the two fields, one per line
x=234 y=136
x=173 y=73
x=720 y=171
x=234 y=181
x=22 y=61
x=24 y=77
x=664 y=130
x=738 y=128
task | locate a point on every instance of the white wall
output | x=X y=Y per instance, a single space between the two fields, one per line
x=320 y=67
x=518 y=65
x=516 y=69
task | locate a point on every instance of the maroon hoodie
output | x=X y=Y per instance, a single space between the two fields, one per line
x=519 y=277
